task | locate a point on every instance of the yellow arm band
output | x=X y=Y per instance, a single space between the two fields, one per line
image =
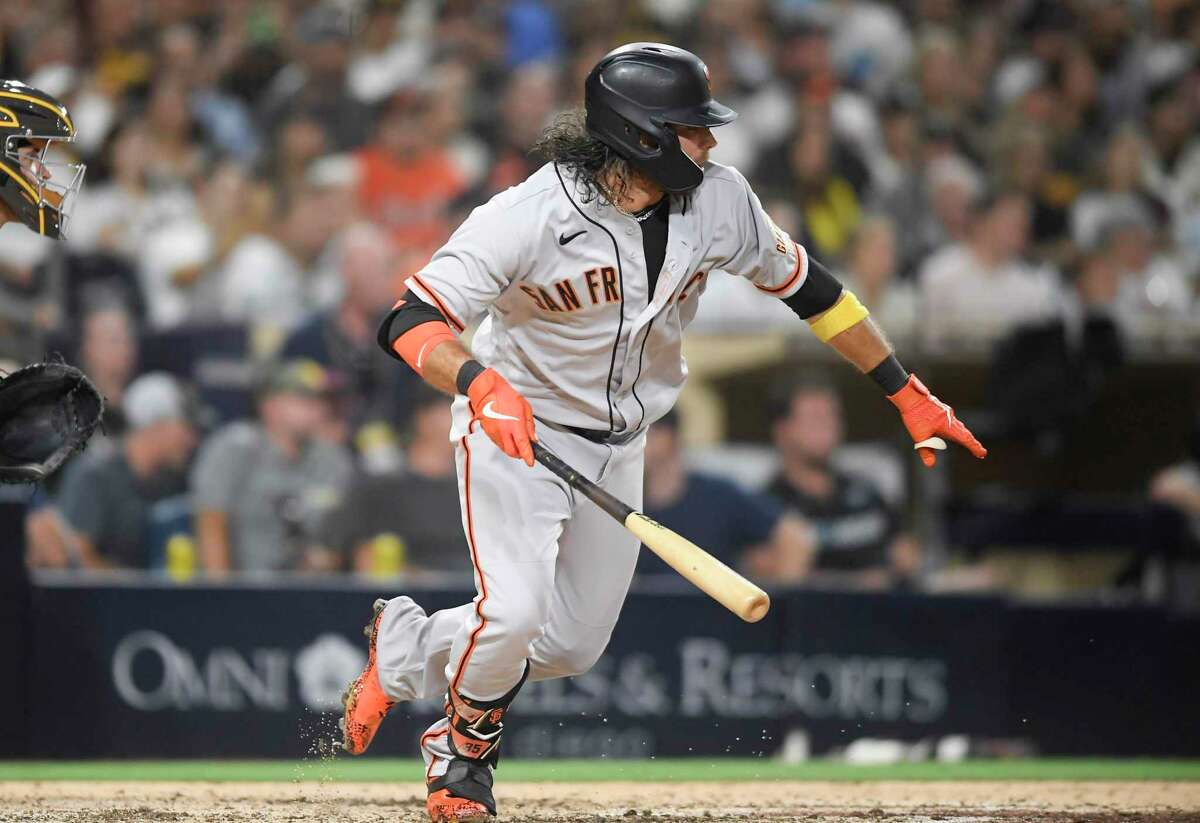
x=846 y=312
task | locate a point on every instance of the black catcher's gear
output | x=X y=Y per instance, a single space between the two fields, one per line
x=48 y=412
x=633 y=95
x=36 y=183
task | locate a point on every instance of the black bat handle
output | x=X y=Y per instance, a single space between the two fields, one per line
x=609 y=504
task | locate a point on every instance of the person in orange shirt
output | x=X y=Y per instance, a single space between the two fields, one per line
x=407 y=181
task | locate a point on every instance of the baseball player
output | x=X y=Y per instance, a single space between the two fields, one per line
x=586 y=275
x=48 y=411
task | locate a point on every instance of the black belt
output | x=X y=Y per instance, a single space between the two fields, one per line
x=607 y=438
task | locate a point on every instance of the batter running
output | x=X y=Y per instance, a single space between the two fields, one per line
x=586 y=274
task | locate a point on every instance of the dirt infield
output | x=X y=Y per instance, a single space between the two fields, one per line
x=895 y=802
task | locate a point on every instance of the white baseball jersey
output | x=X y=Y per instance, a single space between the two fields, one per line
x=563 y=282
x=571 y=325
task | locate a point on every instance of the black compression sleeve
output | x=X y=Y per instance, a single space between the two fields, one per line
x=411 y=313
x=819 y=292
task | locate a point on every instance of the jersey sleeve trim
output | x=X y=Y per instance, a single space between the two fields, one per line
x=795 y=279
x=426 y=292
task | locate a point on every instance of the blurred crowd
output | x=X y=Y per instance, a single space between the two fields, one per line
x=268 y=172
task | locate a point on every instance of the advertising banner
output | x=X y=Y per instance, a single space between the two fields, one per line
x=258 y=672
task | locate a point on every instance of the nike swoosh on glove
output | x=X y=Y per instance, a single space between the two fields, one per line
x=504 y=414
x=928 y=420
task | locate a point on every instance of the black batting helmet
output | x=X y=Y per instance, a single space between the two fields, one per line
x=633 y=95
x=35 y=184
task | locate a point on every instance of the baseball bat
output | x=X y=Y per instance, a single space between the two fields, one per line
x=706 y=572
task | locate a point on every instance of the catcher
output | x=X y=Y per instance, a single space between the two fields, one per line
x=48 y=411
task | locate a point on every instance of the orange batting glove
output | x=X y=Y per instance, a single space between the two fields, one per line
x=929 y=420
x=504 y=414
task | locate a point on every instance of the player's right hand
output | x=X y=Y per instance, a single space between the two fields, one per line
x=504 y=414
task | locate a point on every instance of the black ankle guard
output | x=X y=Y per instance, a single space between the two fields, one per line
x=475 y=725
x=468 y=779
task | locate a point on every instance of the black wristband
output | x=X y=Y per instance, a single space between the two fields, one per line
x=467 y=374
x=889 y=374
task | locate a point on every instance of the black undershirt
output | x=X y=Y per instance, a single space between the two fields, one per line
x=654 y=241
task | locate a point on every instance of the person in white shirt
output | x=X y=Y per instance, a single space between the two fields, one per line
x=266 y=277
x=1154 y=298
x=973 y=293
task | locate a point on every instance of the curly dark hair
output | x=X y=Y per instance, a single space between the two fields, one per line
x=566 y=142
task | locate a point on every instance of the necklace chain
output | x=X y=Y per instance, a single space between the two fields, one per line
x=641 y=218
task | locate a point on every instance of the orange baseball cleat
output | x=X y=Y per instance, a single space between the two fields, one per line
x=463 y=794
x=446 y=808
x=364 y=700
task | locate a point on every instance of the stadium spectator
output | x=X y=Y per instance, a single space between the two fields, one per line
x=952 y=185
x=372 y=390
x=871 y=273
x=939 y=77
x=1155 y=299
x=742 y=529
x=407 y=180
x=975 y=292
x=268 y=278
x=871 y=46
x=859 y=539
x=823 y=187
x=393 y=51
x=30 y=303
x=899 y=189
x=1045 y=376
x=1120 y=195
x=175 y=155
x=1172 y=169
x=806 y=91
x=300 y=140
x=1077 y=123
x=1025 y=166
x=315 y=80
x=220 y=117
x=181 y=263
x=260 y=487
x=1112 y=36
x=454 y=124
x=1044 y=34
x=406 y=520
x=108 y=354
x=530 y=97
x=120 y=212
x=109 y=500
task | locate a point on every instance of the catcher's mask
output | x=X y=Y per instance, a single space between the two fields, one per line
x=38 y=178
x=634 y=95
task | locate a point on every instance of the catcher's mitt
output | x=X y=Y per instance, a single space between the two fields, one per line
x=48 y=412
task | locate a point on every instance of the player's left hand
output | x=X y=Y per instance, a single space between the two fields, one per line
x=929 y=420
